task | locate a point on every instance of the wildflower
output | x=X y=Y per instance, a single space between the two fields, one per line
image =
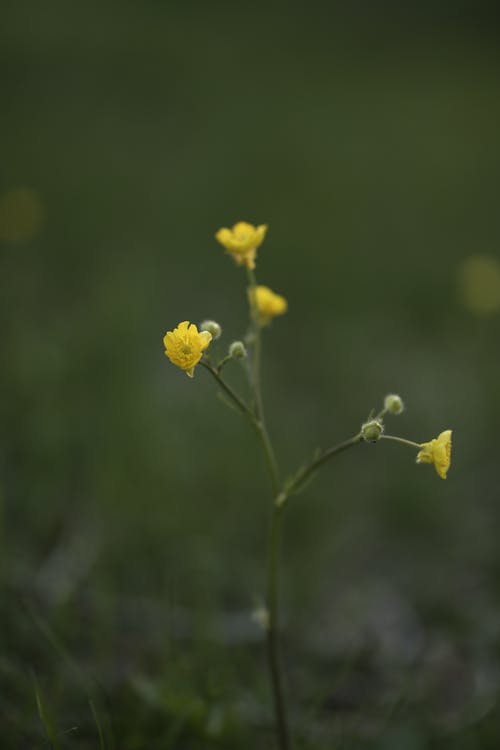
x=212 y=327
x=437 y=452
x=393 y=403
x=372 y=430
x=267 y=303
x=242 y=241
x=184 y=346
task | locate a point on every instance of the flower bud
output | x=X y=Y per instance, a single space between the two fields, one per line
x=372 y=430
x=393 y=403
x=212 y=327
x=237 y=350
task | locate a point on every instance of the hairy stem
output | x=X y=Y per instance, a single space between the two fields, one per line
x=403 y=441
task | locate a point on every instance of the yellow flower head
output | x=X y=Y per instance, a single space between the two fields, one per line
x=184 y=346
x=242 y=241
x=267 y=303
x=437 y=452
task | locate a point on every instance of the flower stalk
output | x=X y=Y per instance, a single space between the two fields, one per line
x=186 y=347
x=273 y=627
x=273 y=554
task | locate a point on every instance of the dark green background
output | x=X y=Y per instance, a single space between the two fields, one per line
x=134 y=505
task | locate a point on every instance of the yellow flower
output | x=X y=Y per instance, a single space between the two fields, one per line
x=267 y=303
x=184 y=346
x=437 y=452
x=242 y=241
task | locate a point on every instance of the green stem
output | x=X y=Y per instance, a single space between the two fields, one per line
x=229 y=392
x=257 y=424
x=308 y=471
x=273 y=628
x=403 y=441
x=270 y=457
x=273 y=560
x=256 y=348
x=223 y=362
x=273 y=646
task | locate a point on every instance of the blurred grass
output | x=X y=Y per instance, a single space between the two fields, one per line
x=134 y=506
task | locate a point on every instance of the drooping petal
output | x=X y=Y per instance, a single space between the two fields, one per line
x=438 y=453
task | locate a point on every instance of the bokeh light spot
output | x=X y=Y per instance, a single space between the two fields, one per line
x=479 y=284
x=21 y=215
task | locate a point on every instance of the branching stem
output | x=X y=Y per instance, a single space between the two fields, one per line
x=280 y=494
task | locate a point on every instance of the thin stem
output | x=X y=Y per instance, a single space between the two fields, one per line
x=403 y=441
x=223 y=362
x=256 y=387
x=273 y=650
x=270 y=457
x=273 y=646
x=229 y=392
x=273 y=587
x=256 y=348
x=256 y=424
x=308 y=471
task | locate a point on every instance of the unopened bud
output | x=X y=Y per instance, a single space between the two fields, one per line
x=212 y=327
x=237 y=350
x=393 y=403
x=372 y=430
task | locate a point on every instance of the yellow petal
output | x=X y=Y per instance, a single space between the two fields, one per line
x=205 y=338
x=243 y=227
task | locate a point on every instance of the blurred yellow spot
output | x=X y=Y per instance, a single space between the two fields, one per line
x=479 y=284
x=268 y=303
x=242 y=241
x=21 y=215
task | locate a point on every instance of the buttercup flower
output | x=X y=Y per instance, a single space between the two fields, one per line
x=184 y=346
x=242 y=241
x=437 y=452
x=268 y=303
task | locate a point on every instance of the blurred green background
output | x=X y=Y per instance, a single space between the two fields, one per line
x=134 y=505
